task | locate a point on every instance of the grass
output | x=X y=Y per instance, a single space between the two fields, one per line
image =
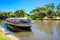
x=2 y=36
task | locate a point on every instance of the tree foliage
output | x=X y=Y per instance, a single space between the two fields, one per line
x=20 y=13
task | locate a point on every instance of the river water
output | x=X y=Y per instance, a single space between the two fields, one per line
x=41 y=30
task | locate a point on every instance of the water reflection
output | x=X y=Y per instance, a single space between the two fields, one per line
x=23 y=34
x=41 y=29
x=44 y=26
x=47 y=28
x=58 y=27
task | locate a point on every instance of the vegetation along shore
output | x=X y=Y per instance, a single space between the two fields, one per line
x=4 y=35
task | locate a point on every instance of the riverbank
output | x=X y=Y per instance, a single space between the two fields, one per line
x=2 y=36
x=8 y=36
x=54 y=18
x=45 y=18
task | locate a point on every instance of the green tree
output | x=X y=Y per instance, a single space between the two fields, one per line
x=58 y=10
x=50 y=10
x=58 y=7
x=2 y=15
x=20 y=13
x=50 y=6
x=39 y=12
x=10 y=14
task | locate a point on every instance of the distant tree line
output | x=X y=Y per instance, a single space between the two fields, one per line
x=49 y=10
x=18 y=13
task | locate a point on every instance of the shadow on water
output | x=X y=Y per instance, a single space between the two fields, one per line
x=12 y=30
x=18 y=30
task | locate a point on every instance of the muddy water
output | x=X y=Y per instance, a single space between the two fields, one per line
x=41 y=30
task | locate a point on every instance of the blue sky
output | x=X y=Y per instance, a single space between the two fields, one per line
x=27 y=5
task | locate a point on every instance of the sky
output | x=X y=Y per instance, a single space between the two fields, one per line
x=27 y=5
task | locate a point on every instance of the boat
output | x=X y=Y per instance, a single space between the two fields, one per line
x=17 y=24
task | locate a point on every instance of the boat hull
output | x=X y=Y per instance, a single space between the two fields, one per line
x=18 y=28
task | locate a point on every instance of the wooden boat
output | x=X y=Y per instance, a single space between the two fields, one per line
x=16 y=24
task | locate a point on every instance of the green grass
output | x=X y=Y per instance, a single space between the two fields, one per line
x=2 y=36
